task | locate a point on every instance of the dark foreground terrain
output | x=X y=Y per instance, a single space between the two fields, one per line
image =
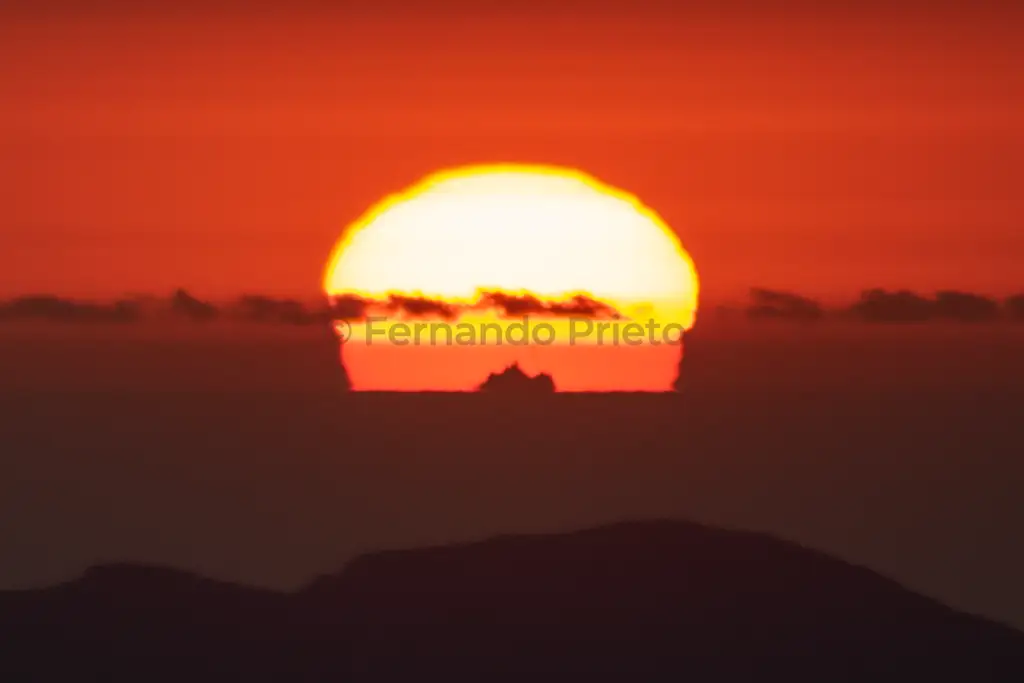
x=659 y=600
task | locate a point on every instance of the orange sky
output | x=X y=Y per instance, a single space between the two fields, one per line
x=224 y=150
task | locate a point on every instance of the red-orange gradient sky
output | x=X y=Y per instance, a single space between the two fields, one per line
x=819 y=150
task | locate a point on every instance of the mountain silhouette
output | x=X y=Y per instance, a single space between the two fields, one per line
x=659 y=600
x=513 y=380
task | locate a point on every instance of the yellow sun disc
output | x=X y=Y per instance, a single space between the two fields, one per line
x=543 y=232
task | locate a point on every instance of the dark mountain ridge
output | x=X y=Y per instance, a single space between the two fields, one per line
x=659 y=599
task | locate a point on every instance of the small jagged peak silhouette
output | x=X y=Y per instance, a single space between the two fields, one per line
x=513 y=380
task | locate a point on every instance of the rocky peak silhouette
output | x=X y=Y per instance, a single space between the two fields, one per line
x=513 y=380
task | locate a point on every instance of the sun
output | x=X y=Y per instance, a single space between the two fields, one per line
x=497 y=244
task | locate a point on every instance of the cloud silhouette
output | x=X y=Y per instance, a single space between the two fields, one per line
x=187 y=306
x=874 y=306
x=264 y=309
x=52 y=308
x=511 y=304
x=879 y=305
x=354 y=307
x=516 y=305
x=584 y=306
x=348 y=307
x=965 y=306
x=421 y=307
x=774 y=304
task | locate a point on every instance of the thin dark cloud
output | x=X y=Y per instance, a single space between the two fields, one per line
x=354 y=307
x=268 y=310
x=879 y=305
x=187 y=306
x=348 y=307
x=780 y=305
x=51 y=308
x=873 y=306
x=421 y=307
x=511 y=304
x=583 y=306
x=516 y=305
x=965 y=306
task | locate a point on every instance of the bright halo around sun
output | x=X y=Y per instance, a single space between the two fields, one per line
x=476 y=269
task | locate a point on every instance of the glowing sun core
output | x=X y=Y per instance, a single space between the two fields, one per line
x=548 y=232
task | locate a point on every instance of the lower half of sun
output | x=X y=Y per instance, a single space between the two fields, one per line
x=545 y=270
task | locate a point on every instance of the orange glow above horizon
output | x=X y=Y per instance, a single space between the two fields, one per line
x=538 y=231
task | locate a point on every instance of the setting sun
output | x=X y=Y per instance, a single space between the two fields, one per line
x=496 y=244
